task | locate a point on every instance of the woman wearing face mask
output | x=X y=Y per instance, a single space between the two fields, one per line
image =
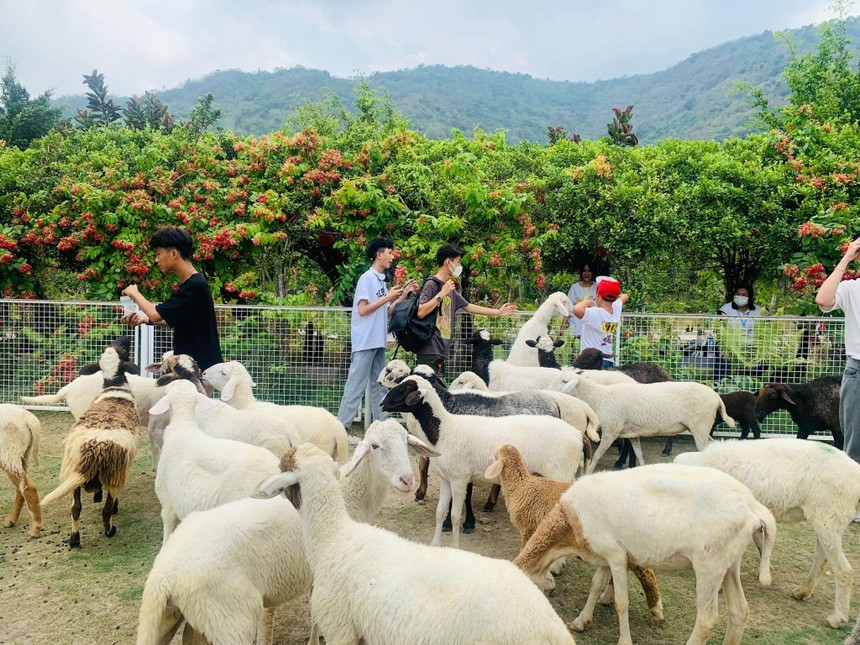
x=742 y=309
x=585 y=289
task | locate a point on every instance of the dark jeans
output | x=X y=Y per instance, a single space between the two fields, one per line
x=433 y=360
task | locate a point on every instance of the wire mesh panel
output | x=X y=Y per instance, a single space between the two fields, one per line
x=301 y=355
x=715 y=351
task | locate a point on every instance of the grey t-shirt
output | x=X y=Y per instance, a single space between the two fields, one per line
x=440 y=342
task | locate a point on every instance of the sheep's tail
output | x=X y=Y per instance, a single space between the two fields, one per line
x=35 y=435
x=587 y=451
x=764 y=537
x=48 y=399
x=341 y=446
x=74 y=481
x=591 y=426
x=157 y=622
x=725 y=415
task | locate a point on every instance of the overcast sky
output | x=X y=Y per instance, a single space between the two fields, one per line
x=158 y=44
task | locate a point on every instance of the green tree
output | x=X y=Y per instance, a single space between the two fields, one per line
x=148 y=112
x=101 y=110
x=22 y=119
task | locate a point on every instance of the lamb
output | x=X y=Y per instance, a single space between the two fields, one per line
x=258 y=545
x=99 y=450
x=20 y=431
x=198 y=472
x=314 y=425
x=522 y=352
x=467 y=443
x=798 y=480
x=813 y=406
x=529 y=499
x=365 y=577
x=608 y=519
x=632 y=410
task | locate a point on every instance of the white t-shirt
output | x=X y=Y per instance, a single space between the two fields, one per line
x=599 y=327
x=578 y=293
x=848 y=300
x=369 y=332
x=738 y=318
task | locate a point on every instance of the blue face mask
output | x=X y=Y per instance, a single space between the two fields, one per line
x=741 y=301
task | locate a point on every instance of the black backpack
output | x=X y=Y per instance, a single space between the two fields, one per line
x=412 y=332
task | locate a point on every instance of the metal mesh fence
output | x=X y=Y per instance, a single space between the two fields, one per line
x=300 y=355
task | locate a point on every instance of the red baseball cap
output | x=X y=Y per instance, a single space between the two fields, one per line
x=608 y=288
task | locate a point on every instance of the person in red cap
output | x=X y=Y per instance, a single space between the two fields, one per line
x=600 y=318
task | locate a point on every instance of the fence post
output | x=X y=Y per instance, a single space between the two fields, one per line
x=145 y=347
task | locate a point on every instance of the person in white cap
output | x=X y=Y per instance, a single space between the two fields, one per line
x=600 y=318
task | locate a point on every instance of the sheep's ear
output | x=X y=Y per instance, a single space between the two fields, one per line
x=167 y=379
x=531 y=343
x=784 y=394
x=558 y=343
x=272 y=486
x=130 y=368
x=86 y=370
x=153 y=367
x=570 y=383
x=414 y=398
x=229 y=388
x=161 y=406
x=494 y=469
x=419 y=447
x=361 y=451
x=205 y=402
x=497 y=341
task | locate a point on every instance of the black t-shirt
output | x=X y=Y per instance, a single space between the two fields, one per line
x=190 y=312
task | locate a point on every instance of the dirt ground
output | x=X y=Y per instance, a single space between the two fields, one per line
x=51 y=594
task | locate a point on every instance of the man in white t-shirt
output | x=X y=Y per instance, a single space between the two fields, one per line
x=371 y=307
x=836 y=293
x=600 y=318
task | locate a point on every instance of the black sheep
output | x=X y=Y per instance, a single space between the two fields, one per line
x=813 y=406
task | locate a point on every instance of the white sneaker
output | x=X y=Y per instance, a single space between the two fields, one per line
x=353 y=440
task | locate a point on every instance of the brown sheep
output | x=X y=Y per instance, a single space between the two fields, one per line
x=530 y=498
x=19 y=440
x=101 y=447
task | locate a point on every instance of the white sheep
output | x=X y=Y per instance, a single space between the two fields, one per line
x=372 y=585
x=798 y=480
x=556 y=304
x=468 y=443
x=99 y=450
x=258 y=545
x=314 y=425
x=20 y=431
x=198 y=472
x=633 y=410
x=261 y=428
x=666 y=517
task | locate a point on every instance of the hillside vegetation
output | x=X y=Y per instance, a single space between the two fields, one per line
x=691 y=100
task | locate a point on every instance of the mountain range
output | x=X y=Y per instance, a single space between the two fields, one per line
x=694 y=99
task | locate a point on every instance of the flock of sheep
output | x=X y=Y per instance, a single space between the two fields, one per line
x=272 y=507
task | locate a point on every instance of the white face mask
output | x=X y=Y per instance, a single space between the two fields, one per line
x=457 y=271
x=741 y=301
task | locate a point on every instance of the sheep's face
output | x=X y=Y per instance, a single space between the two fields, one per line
x=771 y=398
x=405 y=397
x=393 y=373
x=545 y=344
x=387 y=444
x=180 y=366
x=467 y=381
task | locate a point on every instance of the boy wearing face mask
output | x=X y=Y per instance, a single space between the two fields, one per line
x=439 y=297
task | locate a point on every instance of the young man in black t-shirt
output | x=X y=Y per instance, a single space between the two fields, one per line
x=190 y=311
